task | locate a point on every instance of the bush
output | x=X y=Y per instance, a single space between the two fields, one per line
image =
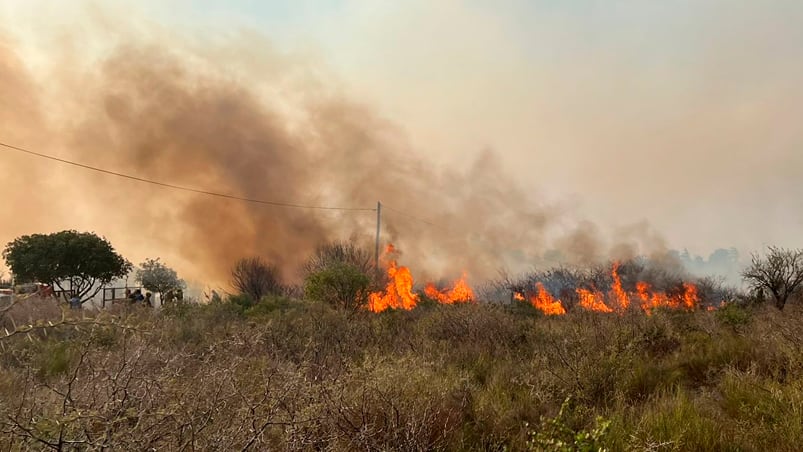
x=332 y=253
x=256 y=278
x=555 y=435
x=733 y=315
x=285 y=374
x=340 y=285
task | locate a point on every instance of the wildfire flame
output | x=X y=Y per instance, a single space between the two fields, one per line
x=593 y=300
x=398 y=293
x=460 y=293
x=618 y=292
x=688 y=298
x=545 y=302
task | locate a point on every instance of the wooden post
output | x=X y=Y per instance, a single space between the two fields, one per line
x=378 y=226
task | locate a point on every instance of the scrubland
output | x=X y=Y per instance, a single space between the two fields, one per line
x=287 y=374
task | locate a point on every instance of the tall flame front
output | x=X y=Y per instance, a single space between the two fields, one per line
x=618 y=298
x=398 y=292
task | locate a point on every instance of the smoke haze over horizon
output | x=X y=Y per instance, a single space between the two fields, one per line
x=607 y=132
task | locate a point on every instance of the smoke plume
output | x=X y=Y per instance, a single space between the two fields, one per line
x=260 y=125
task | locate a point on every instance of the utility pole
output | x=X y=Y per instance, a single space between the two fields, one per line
x=378 y=224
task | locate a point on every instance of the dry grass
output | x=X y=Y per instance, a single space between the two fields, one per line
x=292 y=375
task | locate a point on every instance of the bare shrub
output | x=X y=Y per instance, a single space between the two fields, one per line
x=468 y=377
x=780 y=273
x=340 y=252
x=256 y=278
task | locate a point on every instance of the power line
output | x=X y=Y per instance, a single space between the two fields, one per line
x=178 y=187
x=400 y=212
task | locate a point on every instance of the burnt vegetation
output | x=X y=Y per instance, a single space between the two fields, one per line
x=315 y=369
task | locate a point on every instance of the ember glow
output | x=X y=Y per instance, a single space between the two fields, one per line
x=618 y=299
x=398 y=293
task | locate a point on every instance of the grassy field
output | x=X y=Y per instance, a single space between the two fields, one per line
x=293 y=375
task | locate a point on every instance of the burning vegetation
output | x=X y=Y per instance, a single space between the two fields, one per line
x=577 y=291
x=580 y=292
x=398 y=292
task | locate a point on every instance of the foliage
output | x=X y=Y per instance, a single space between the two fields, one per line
x=339 y=284
x=82 y=259
x=158 y=277
x=256 y=278
x=734 y=315
x=556 y=435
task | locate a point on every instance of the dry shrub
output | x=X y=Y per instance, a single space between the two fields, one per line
x=305 y=376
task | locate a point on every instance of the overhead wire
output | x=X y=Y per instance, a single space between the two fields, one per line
x=217 y=194
x=413 y=217
x=179 y=187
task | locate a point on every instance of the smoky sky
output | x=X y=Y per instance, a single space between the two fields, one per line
x=239 y=117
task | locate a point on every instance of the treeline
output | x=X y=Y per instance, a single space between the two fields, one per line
x=344 y=275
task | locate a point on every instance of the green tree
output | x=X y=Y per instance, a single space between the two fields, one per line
x=81 y=262
x=340 y=284
x=159 y=278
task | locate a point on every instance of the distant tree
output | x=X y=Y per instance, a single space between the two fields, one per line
x=256 y=278
x=340 y=252
x=780 y=273
x=340 y=284
x=82 y=259
x=158 y=277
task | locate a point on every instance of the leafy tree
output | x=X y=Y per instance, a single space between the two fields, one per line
x=82 y=259
x=780 y=273
x=158 y=277
x=340 y=284
x=256 y=278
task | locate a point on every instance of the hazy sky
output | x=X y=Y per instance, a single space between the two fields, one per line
x=682 y=114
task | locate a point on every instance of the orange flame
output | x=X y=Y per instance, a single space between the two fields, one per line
x=459 y=293
x=690 y=296
x=545 y=302
x=592 y=301
x=687 y=299
x=398 y=293
x=618 y=292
